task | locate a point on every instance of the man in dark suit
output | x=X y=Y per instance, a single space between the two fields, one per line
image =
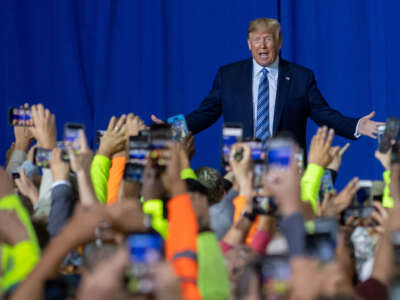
x=268 y=95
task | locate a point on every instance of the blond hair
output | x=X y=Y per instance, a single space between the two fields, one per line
x=266 y=25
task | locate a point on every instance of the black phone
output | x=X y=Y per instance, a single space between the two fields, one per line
x=395 y=156
x=20 y=116
x=232 y=133
x=263 y=205
x=321 y=238
x=42 y=157
x=137 y=153
x=390 y=135
x=99 y=135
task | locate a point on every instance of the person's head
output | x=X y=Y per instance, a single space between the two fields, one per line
x=264 y=38
x=213 y=182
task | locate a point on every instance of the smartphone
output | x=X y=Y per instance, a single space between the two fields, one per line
x=99 y=135
x=390 y=135
x=321 y=238
x=42 y=157
x=361 y=205
x=232 y=133
x=160 y=138
x=145 y=250
x=20 y=116
x=138 y=151
x=279 y=152
x=327 y=185
x=275 y=275
x=379 y=135
x=72 y=135
x=179 y=127
x=264 y=205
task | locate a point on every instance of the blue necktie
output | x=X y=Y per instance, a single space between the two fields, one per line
x=262 y=122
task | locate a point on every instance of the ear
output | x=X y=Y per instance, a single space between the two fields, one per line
x=249 y=44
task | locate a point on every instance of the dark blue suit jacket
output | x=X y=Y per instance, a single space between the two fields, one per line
x=297 y=99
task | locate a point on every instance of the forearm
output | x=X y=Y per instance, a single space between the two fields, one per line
x=16 y=160
x=99 y=173
x=384 y=260
x=33 y=287
x=238 y=232
x=310 y=184
x=86 y=190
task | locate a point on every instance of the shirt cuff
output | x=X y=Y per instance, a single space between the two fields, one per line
x=356 y=134
x=59 y=183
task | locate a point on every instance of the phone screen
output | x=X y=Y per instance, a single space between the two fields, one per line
x=145 y=249
x=160 y=138
x=138 y=151
x=42 y=157
x=264 y=205
x=179 y=127
x=279 y=152
x=72 y=135
x=275 y=275
x=20 y=116
x=326 y=185
x=321 y=238
x=231 y=134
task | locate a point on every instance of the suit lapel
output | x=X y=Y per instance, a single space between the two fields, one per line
x=284 y=81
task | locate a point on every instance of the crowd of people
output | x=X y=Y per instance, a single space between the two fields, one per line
x=74 y=230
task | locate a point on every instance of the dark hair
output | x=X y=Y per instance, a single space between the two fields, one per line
x=196 y=187
x=213 y=181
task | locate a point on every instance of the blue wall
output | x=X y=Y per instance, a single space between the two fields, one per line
x=87 y=60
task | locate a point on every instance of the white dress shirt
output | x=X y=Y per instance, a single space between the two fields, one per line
x=273 y=72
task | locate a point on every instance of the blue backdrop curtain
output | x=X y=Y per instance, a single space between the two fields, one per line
x=87 y=60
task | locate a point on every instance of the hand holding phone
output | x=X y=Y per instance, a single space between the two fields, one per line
x=232 y=133
x=179 y=127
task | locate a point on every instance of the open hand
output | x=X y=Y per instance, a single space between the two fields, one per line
x=321 y=153
x=368 y=127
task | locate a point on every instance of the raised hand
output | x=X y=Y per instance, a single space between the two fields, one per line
x=44 y=129
x=81 y=161
x=337 y=157
x=171 y=177
x=133 y=125
x=333 y=204
x=368 y=127
x=321 y=153
x=284 y=185
x=27 y=188
x=188 y=145
x=59 y=168
x=23 y=136
x=114 y=138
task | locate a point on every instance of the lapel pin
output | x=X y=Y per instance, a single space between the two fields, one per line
x=287 y=78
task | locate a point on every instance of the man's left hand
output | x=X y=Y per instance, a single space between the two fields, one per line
x=368 y=127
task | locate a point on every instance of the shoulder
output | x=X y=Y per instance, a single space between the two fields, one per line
x=296 y=68
x=236 y=66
